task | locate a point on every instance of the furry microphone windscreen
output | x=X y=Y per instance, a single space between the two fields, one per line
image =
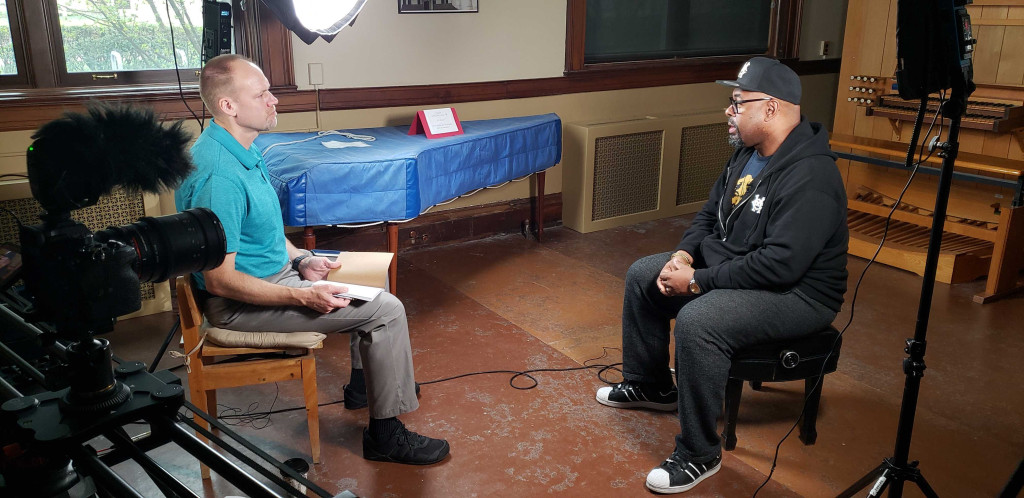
x=78 y=158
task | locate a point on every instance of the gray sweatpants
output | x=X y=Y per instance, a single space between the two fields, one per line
x=379 y=338
x=709 y=328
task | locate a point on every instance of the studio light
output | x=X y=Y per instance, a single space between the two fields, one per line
x=327 y=17
x=312 y=19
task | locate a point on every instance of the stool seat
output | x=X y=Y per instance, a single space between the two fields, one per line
x=780 y=361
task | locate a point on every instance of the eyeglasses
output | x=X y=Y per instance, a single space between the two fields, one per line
x=735 y=104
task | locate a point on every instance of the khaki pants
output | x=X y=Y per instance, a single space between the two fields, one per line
x=378 y=329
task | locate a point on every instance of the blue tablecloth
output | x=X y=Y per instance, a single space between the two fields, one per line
x=398 y=176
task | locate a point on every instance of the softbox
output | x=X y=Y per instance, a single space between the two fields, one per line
x=289 y=15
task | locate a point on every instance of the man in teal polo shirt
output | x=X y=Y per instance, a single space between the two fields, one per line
x=266 y=283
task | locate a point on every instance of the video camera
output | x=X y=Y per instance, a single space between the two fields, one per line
x=80 y=282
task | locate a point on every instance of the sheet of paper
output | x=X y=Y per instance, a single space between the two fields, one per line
x=440 y=120
x=334 y=144
x=355 y=291
x=362 y=268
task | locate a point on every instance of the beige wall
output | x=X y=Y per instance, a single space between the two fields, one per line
x=822 y=20
x=819 y=99
x=505 y=40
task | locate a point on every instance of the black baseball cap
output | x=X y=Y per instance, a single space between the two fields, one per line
x=769 y=76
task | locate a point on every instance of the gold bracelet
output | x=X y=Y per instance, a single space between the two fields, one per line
x=682 y=255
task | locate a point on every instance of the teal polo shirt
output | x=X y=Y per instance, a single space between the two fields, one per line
x=235 y=184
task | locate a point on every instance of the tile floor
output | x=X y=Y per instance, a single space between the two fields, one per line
x=507 y=303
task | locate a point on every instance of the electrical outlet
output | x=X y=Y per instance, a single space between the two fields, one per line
x=316 y=73
x=823 y=48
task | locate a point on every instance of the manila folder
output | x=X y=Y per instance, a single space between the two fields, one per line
x=362 y=268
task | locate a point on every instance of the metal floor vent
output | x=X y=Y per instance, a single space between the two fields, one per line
x=118 y=208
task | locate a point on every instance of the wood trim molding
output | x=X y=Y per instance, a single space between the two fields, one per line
x=575 y=34
x=28 y=109
x=588 y=80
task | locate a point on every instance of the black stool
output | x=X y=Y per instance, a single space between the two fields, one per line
x=778 y=362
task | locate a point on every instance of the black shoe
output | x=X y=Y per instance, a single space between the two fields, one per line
x=355 y=399
x=676 y=475
x=629 y=394
x=405 y=446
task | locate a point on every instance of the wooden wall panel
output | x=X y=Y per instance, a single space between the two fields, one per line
x=990 y=44
x=1011 y=58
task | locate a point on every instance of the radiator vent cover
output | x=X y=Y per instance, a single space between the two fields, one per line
x=627 y=173
x=117 y=208
x=617 y=173
x=703 y=151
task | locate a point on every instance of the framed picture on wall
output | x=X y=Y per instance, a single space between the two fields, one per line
x=436 y=6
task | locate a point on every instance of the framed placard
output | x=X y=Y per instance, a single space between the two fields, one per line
x=436 y=123
x=436 y=6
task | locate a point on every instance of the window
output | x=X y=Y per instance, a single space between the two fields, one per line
x=12 y=56
x=664 y=29
x=8 y=64
x=125 y=41
x=75 y=43
x=129 y=35
x=612 y=34
x=64 y=52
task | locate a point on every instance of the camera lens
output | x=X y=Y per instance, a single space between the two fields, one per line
x=176 y=244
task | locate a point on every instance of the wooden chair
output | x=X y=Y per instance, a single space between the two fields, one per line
x=780 y=361
x=205 y=376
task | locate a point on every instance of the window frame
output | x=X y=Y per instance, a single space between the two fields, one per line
x=38 y=46
x=25 y=105
x=14 y=16
x=783 y=43
x=64 y=78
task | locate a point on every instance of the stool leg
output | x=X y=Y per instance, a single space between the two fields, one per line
x=733 y=392
x=808 y=426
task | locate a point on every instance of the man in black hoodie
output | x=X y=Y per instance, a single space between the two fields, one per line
x=765 y=259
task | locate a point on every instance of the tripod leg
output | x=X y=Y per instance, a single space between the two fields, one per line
x=1016 y=482
x=864 y=481
x=923 y=485
x=163 y=348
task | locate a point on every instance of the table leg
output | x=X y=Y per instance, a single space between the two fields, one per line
x=539 y=214
x=308 y=239
x=392 y=229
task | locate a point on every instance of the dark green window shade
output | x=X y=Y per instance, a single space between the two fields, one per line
x=636 y=30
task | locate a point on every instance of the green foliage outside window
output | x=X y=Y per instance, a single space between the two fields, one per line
x=7 y=63
x=98 y=32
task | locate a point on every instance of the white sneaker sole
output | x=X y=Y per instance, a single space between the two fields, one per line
x=664 y=407
x=681 y=489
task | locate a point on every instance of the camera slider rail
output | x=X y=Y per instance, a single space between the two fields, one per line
x=49 y=430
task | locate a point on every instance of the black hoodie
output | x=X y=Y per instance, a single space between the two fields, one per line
x=788 y=231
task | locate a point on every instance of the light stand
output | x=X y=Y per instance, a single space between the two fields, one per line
x=897 y=469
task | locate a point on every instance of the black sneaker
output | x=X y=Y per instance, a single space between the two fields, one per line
x=676 y=475
x=355 y=399
x=405 y=446
x=629 y=394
